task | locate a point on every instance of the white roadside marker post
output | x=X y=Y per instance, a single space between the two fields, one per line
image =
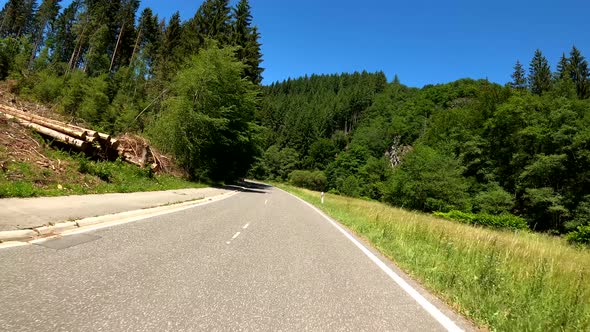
x=322 y=197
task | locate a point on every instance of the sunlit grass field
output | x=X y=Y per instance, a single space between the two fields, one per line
x=502 y=280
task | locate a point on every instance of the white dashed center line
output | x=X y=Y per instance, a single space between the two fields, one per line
x=266 y=201
x=246 y=226
x=236 y=235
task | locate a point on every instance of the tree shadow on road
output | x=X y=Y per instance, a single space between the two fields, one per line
x=248 y=187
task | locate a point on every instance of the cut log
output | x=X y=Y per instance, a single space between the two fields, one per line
x=79 y=134
x=68 y=140
x=104 y=137
x=71 y=130
x=114 y=144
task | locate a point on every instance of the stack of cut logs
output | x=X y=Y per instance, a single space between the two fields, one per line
x=90 y=142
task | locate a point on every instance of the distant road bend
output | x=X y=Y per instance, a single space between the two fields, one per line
x=258 y=260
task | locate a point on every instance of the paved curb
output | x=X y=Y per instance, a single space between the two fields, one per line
x=27 y=235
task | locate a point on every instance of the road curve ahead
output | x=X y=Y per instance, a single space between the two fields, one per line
x=258 y=260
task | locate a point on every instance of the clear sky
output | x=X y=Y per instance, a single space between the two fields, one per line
x=423 y=41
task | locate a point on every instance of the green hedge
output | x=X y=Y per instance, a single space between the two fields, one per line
x=580 y=236
x=504 y=220
x=311 y=180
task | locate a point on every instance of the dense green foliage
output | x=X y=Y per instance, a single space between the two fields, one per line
x=505 y=221
x=580 y=236
x=207 y=123
x=469 y=145
x=120 y=70
x=314 y=180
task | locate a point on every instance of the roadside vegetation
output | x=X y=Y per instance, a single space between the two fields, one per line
x=503 y=280
x=30 y=167
x=470 y=146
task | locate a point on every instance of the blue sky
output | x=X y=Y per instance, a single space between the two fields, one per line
x=420 y=40
x=423 y=41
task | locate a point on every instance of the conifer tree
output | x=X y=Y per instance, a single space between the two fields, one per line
x=246 y=37
x=579 y=72
x=539 y=74
x=563 y=67
x=518 y=76
x=212 y=21
x=126 y=35
x=43 y=24
x=62 y=39
x=170 y=53
x=148 y=38
x=16 y=18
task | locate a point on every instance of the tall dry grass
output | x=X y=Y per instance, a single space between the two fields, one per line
x=506 y=281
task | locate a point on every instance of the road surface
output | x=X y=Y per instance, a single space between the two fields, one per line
x=258 y=260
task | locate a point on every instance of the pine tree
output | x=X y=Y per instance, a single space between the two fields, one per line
x=126 y=35
x=563 y=67
x=16 y=18
x=148 y=38
x=212 y=21
x=579 y=72
x=170 y=54
x=62 y=39
x=518 y=76
x=102 y=27
x=43 y=24
x=539 y=74
x=246 y=37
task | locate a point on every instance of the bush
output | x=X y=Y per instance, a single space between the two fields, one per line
x=428 y=180
x=311 y=180
x=47 y=87
x=101 y=170
x=494 y=200
x=580 y=236
x=504 y=220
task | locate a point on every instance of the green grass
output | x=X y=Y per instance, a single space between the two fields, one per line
x=502 y=280
x=75 y=175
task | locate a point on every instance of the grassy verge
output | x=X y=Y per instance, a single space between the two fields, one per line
x=507 y=281
x=60 y=173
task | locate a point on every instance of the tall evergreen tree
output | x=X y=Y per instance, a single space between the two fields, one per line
x=126 y=35
x=16 y=18
x=43 y=24
x=563 y=67
x=212 y=21
x=246 y=37
x=102 y=26
x=170 y=54
x=579 y=72
x=62 y=39
x=539 y=74
x=519 y=76
x=148 y=38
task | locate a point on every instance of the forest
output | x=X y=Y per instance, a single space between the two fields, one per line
x=470 y=145
x=195 y=89
x=191 y=86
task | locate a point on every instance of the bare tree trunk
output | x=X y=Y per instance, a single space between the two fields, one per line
x=116 y=47
x=136 y=46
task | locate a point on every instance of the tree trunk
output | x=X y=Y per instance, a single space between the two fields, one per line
x=116 y=47
x=68 y=140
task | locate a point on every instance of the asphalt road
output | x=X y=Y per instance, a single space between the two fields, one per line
x=259 y=260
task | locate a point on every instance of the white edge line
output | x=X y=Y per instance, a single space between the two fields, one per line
x=108 y=224
x=445 y=321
